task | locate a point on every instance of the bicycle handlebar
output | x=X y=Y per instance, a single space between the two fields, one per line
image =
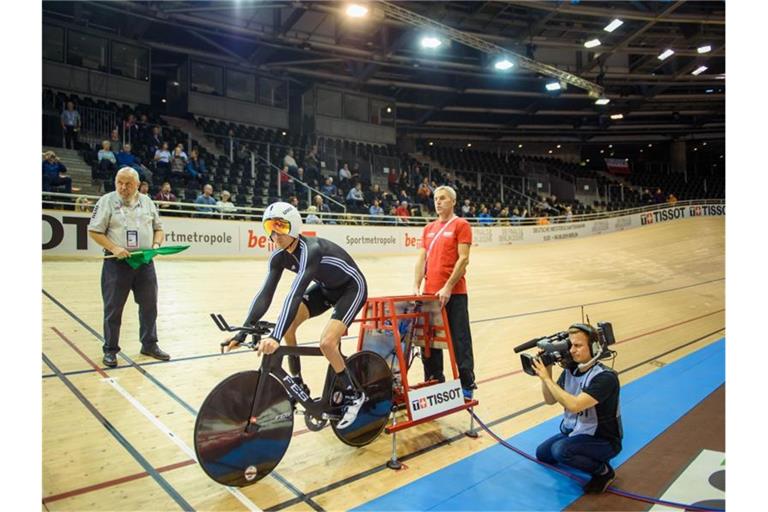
x=261 y=327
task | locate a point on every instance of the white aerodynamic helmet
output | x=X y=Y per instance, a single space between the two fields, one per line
x=282 y=218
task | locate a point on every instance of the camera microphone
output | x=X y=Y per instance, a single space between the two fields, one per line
x=529 y=344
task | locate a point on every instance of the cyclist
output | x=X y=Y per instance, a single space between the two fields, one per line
x=326 y=275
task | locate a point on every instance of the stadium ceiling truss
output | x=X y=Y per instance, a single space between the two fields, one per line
x=454 y=91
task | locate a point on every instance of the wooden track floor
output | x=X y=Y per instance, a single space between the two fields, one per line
x=662 y=286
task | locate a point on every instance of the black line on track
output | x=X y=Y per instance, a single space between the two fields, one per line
x=162 y=482
x=185 y=405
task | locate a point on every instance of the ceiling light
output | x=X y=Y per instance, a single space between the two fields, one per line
x=703 y=143
x=430 y=42
x=587 y=160
x=503 y=64
x=695 y=149
x=284 y=134
x=610 y=146
x=617 y=116
x=163 y=100
x=709 y=91
x=602 y=101
x=550 y=151
x=602 y=151
x=613 y=25
x=650 y=145
x=519 y=146
x=356 y=11
x=389 y=110
x=720 y=77
x=553 y=86
x=592 y=43
x=431 y=143
x=558 y=146
x=699 y=70
x=665 y=54
x=469 y=144
x=704 y=49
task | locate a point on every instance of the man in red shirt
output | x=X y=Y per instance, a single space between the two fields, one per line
x=442 y=263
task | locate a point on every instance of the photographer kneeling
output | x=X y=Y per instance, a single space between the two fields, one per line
x=591 y=430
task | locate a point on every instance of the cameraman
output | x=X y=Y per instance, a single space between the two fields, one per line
x=590 y=432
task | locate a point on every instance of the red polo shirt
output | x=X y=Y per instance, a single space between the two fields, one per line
x=445 y=251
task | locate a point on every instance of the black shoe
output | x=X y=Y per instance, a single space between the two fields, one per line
x=154 y=351
x=600 y=483
x=110 y=359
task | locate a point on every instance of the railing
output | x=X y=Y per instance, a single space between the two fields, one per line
x=69 y=201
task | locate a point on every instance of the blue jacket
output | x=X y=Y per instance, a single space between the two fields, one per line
x=52 y=170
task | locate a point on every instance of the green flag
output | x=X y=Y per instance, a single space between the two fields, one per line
x=139 y=258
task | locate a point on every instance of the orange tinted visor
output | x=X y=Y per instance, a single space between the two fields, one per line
x=279 y=226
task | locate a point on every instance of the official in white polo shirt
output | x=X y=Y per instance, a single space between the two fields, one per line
x=125 y=221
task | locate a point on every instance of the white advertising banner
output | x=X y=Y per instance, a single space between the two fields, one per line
x=66 y=233
x=428 y=401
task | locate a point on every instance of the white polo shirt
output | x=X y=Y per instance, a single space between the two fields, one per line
x=114 y=219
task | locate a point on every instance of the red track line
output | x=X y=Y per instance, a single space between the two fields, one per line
x=74 y=347
x=116 y=481
x=617 y=343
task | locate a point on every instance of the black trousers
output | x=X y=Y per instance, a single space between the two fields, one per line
x=457 y=310
x=117 y=280
x=70 y=137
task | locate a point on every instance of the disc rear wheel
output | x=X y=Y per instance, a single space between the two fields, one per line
x=372 y=372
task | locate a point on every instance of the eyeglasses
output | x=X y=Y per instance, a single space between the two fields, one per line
x=279 y=226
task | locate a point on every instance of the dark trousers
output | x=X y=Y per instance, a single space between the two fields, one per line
x=458 y=322
x=70 y=137
x=583 y=452
x=54 y=181
x=117 y=280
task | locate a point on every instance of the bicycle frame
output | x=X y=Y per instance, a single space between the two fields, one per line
x=271 y=364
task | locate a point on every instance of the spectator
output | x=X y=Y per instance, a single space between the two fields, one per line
x=127 y=159
x=424 y=193
x=312 y=163
x=403 y=212
x=376 y=211
x=393 y=179
x=224 y=205
x=196 y=169
x=404 y=197
x=543 y=220
x=329 y=189
x=504 y=217
x=106 y=159
x=70 y=123
x=485 y=218
x=496 y=210
x=114 y=139
x=286 y=183
x=54 y=173
x=672 y=199
x=312 y=217
x=178 y=162
x=163 y=160
x=154 y=141
x=294 y=201
x=322 y=208
x=144 y=129
x=404 y=181
x=658 y=196
x=165 y=197
x=393 y=216
x=345 y=178
x=290 y=162
x=83 y=204
x=465 y=208
x=568 y=214
x=144 y=188
x=355 y=197
x=299 y=188
x=206 y=198
x=131 y=129
x=374 y=194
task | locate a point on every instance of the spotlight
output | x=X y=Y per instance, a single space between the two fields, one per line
x=469 y=144
x=665 y=54
x=519 y=146
x=431 y=143
x=558 y=146
x=430 y=42
x=616 y=117
x=699 y=70
x=592 y=43
x=704 y=49
x=602 y=101
x=613 y=25
x=389 y=110
x=503 y=64
x=550 y=151
x=553 y=86
x=356 y=11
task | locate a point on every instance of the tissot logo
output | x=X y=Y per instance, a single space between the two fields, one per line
x=435 y=399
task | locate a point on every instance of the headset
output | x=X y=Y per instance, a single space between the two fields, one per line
x=595 y=348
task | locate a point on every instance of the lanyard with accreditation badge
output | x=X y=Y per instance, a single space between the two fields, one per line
x=131 y=235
